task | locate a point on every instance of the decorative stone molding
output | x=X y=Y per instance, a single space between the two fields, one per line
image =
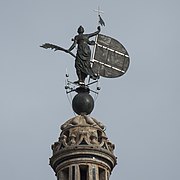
x=83 y=130
x=83 y=151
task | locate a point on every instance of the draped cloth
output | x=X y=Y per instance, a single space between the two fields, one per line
x=83 y=55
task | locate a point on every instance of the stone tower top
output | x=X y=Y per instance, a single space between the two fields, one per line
x=84 y=147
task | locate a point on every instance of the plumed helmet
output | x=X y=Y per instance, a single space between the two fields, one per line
x=80 y=29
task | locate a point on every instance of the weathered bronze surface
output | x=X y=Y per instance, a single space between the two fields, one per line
x=83 y=103
x=110 y=59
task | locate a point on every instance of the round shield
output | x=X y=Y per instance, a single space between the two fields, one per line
x=110 y=58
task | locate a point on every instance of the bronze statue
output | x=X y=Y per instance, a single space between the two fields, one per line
x=82 y=61
x=83 y=55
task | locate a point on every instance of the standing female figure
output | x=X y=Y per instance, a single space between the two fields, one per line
x=83 y=55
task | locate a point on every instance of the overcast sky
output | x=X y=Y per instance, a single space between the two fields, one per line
x=141 y=110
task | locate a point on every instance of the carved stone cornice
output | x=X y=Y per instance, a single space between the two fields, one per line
x=83 y=130
x=83 y=139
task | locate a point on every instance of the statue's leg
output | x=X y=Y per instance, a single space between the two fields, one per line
x=83 y=76
x=79 y=74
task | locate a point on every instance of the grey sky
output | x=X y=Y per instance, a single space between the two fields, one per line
x=141 y=110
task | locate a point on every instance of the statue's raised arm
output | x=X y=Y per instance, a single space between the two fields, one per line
x=96 y=32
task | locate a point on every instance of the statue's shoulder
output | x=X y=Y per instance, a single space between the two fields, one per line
x=76 y=37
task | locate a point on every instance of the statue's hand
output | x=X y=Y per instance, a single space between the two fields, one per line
x=99 y=28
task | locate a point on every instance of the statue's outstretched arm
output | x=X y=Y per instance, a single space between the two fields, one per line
x=95 y=33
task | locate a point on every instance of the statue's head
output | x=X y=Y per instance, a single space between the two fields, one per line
x=80 y=30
